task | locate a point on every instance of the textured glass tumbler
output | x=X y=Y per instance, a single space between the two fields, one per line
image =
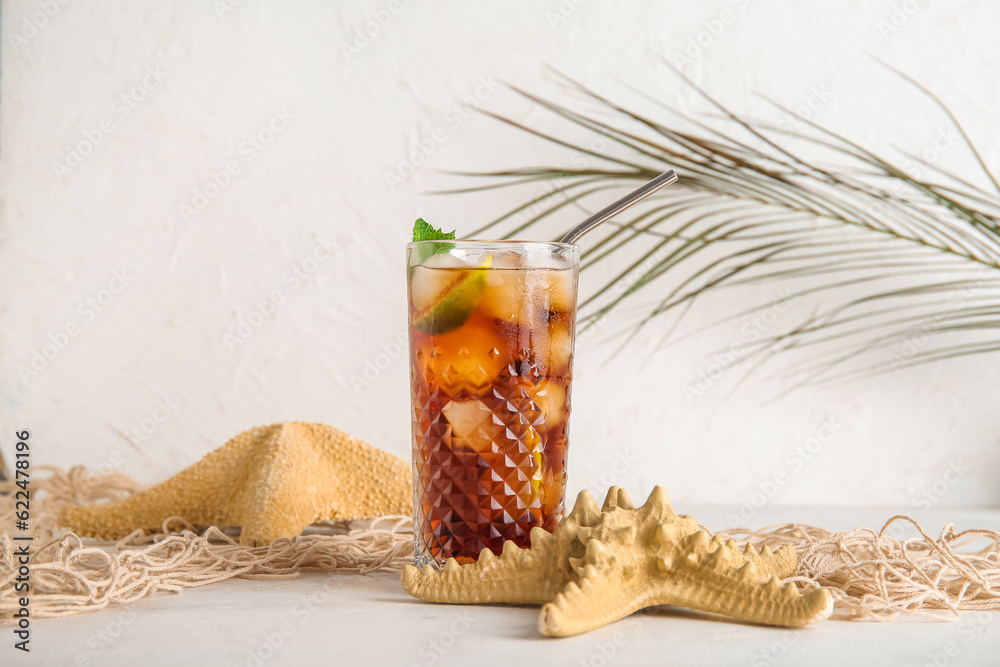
x=491 y=354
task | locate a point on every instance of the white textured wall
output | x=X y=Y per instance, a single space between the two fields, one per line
x=315 y=201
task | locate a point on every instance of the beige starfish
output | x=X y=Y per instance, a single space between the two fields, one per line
x=600 y=565
x=272 y=481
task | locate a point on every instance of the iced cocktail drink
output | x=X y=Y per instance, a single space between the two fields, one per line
x=491 y=355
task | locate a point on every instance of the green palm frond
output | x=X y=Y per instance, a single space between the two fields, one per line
x=923 y=252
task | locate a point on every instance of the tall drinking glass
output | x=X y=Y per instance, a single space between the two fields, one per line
x=491 y=357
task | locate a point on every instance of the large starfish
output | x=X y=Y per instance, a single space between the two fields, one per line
x=600 y=565
x=272 y=481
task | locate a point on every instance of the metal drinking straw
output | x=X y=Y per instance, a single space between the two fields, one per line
x=632 y=198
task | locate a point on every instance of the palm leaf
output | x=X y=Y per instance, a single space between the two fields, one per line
x=889 y=248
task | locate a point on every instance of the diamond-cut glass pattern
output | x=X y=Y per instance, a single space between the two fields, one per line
x=488 y=478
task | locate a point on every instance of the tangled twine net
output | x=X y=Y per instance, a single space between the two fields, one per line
x=70 y=574
x=871 y=574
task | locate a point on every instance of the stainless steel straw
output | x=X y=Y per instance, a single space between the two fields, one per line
x=632 y=198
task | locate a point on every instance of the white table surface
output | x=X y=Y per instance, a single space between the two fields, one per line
x=361 y=620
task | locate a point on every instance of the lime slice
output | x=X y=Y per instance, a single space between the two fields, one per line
x=457 y=302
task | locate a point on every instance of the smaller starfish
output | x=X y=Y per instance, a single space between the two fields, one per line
x=601 y=565
x=272 y=481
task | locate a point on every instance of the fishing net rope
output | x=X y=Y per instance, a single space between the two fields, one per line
x=871 y=574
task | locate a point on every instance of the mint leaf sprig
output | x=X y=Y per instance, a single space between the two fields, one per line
x=425 y=231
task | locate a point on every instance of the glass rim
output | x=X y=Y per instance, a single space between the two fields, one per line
x=500 y=243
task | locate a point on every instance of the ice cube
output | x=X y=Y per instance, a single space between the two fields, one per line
x=445 y=260
x=552 y=290
x=544 y=259
x=506 y=260
x=560 y=347
x=472 y=423
x=431 y=280
x=505 y=293
x=550 y=398
x=428 y=286
x=561 y=290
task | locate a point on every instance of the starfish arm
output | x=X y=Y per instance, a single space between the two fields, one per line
x=592 y=602
x=780 y=563
x=517 y=576
x=716 y=587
